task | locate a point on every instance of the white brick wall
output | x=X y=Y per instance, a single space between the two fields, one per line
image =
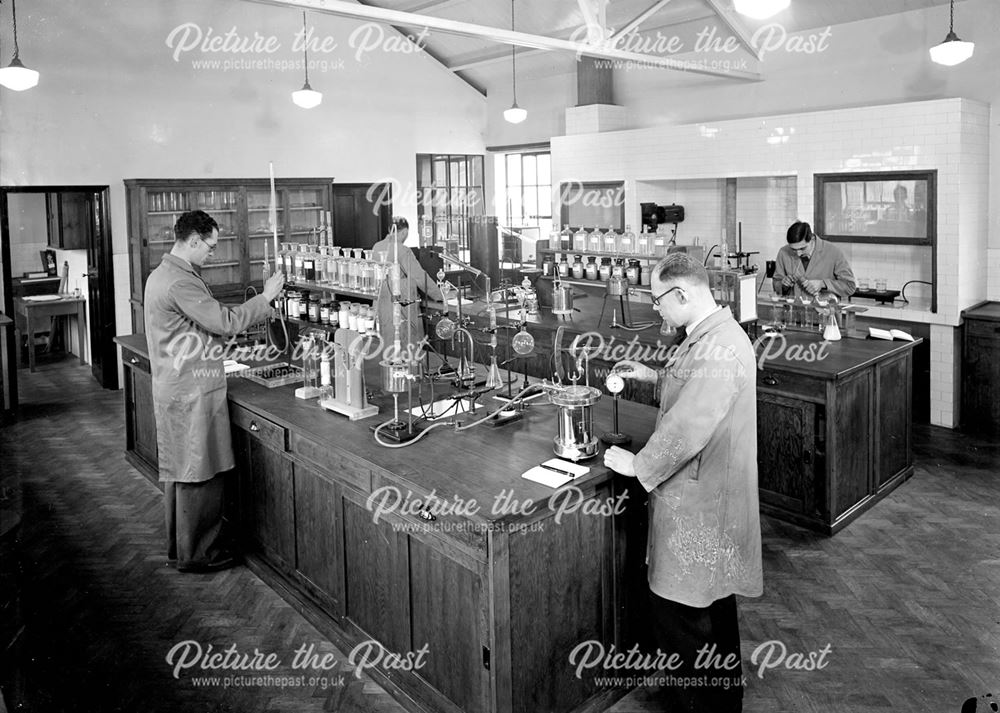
x=947 y=135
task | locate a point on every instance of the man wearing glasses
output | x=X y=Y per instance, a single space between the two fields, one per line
x=811 y=265
x=700 y=470
x=185 y=327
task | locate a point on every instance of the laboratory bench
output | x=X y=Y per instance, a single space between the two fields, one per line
x=431 y=544
x=441 y=544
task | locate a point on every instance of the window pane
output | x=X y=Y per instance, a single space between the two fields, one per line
x=440 y=171
x=544 y=168
x=477 y=171
x=529 y=171
x=514 y=210
x=514 y=169
x=545 y=202
x=530 y=204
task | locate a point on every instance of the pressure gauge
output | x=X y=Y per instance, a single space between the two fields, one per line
x=614 y=383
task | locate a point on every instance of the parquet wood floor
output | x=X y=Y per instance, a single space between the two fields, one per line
x=907 y=597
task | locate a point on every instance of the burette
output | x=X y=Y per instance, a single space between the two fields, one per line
x=273 y=219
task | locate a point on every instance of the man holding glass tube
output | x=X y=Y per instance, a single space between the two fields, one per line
x=809 y=265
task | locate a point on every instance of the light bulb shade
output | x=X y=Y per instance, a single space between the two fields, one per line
x=952 y=51
x=18 y=77
x=307 y=97
x=760 y=9
x=515 y=115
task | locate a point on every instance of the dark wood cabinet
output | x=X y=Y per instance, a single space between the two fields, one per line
x=495 y=602
x=362 y=213
x=241 y=207
x=69 y=219
x=140 y=421
x=980 y=407
x=834 y=437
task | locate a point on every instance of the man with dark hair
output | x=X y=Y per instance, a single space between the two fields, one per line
x=811 y=265
x=185 y=325
x=700 y=470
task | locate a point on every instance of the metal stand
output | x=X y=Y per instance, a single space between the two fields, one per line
x=616 y=437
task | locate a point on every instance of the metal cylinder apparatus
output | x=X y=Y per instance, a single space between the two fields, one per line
x=617 y=286
x=562 y=299
x=575 y=440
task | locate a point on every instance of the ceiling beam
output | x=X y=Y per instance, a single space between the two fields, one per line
x=638 y=20
x=431 y=4
x=735 y=25
x=357 y=11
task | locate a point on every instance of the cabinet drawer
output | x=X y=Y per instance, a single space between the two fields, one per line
x=789 y=383
x=333 y=462
x=982 y=328
x=135 y=360
x=266 y=431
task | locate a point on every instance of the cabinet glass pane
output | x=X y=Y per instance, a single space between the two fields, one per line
x=307 y=214
x=213 y=202
x=258 y=223
x=167 y=202
x=219 y=273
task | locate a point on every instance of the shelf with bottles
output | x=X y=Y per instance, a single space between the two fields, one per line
x=587 y=253
x=595 y=283
x=335 y=289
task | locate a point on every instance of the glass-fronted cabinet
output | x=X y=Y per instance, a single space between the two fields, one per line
x=242 y=208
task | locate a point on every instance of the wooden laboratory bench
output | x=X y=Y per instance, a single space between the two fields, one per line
x=834 y=435
x=477 y=564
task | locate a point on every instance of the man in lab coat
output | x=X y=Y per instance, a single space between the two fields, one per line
x=810 y=265
x=700 y=470
x=412 y=277
x=185 y=327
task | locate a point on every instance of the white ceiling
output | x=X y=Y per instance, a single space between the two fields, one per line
x=484 y=62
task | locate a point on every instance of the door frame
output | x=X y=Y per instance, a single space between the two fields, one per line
x=104 y=326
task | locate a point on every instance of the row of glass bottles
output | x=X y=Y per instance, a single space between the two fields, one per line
x=346 y=268
x=799 y=312
x=611 y=241
x=330 y=313
x=634 y=273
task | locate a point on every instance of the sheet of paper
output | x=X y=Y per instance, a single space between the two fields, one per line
x=440 y=409
x=231 y=367
x=575 y=468
x=546 y=477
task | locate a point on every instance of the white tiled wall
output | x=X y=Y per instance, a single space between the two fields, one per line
x=994 y=272
x=765 y=207
x=950 y=136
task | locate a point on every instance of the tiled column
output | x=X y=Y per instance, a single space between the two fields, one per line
x=946 y=388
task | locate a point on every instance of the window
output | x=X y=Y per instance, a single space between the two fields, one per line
x=449 y=192
x=527 y=199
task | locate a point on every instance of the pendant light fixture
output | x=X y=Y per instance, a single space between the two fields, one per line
x=307 y=97
x=953 y=50
x=515 y=115
x=15 y=75
x=760 y=9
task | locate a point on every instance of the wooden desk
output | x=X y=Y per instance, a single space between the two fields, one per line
x=29 y=312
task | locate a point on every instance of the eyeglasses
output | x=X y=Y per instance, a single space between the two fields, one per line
x=211 y=246
x=656 y=300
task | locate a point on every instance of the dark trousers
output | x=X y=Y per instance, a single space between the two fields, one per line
x=194 y=520
x=685 y=630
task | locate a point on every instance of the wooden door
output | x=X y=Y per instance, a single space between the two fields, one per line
x=787 y=467
x=319 y=546
x=362 y=213
x=101 y=321
x=269 y=504
x=377 y=566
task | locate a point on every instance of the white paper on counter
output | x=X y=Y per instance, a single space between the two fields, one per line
x=552 y=478
x=231 y=367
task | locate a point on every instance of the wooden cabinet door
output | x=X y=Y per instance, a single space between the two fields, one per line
x=892 y=419
x=981 y=378
x=319 y=546
x=788 y=471
x=269 y=522
x=448 y=616
x=377 y=565
x=144 y=419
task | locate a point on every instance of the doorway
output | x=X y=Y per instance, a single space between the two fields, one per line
x=75 y=219
x=362 y=213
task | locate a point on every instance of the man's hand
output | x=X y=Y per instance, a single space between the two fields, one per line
x=787 y=281
x=272 y=288
x=629 y=369
x=812 y=286
x=620 y=461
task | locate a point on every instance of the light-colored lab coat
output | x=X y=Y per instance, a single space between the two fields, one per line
x=700 y=469
x=827 y=264
x=185 y=327
x=412 y=278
